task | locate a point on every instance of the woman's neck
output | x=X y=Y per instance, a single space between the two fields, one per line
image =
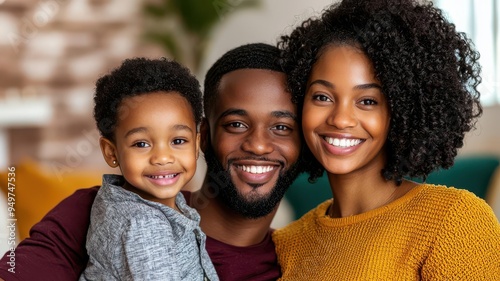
x=354 y=195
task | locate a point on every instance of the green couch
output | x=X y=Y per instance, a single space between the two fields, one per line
x=474 y=173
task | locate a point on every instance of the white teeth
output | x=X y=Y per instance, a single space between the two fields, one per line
x=163 y=177
x=343 y=142
x=257 y=169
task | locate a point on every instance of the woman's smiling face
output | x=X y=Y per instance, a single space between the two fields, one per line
x=345 y=115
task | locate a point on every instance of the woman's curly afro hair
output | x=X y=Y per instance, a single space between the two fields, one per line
x=429 y=74
x=139 y=76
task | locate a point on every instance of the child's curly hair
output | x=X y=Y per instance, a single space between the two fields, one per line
x=140 y=76
x=429 y=74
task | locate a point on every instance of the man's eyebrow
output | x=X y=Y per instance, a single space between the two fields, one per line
x=277 y=113
x=233 y=111
x=284 y=114
x=357 y=87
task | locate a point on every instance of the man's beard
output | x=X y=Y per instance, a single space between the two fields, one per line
x=251 y=207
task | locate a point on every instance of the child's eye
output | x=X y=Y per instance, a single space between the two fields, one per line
x=179 y=141
x=321 y=97
x=141 y=144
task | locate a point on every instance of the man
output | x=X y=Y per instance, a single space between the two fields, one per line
x=251 y=141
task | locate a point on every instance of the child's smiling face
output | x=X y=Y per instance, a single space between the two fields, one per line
x=156 y=145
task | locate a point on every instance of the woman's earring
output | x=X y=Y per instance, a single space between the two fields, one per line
x=114 y=162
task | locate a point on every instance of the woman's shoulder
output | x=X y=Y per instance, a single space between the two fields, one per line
x=456 y=203
x=450 y=195
x=466 y=226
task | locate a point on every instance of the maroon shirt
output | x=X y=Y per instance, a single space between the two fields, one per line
x=257 y=262
x=56 y=250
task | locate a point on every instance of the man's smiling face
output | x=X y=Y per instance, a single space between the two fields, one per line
x=254 y=140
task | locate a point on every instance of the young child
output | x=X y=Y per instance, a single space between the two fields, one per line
x=147 y=112
x=388 y=89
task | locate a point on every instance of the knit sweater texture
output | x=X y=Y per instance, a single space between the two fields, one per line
x=431 y=233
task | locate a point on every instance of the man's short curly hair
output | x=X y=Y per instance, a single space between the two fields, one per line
x=429 y=74
x=248 y=56
x=139 y=76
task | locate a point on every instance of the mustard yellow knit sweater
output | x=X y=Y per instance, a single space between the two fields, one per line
x=431 y=233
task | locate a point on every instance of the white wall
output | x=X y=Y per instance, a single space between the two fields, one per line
x=263 y=24
x=486 y=138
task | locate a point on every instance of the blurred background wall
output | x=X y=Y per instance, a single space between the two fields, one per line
x=51 y=54
x=52 y=51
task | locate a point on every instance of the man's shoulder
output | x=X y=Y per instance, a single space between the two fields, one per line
x=56 y=246
x=74 y=209
x=80 y=199
x=89 y=192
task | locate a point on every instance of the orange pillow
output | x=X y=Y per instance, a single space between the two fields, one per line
x=38 y=190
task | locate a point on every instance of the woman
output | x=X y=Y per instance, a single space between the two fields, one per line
x=388 y=89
